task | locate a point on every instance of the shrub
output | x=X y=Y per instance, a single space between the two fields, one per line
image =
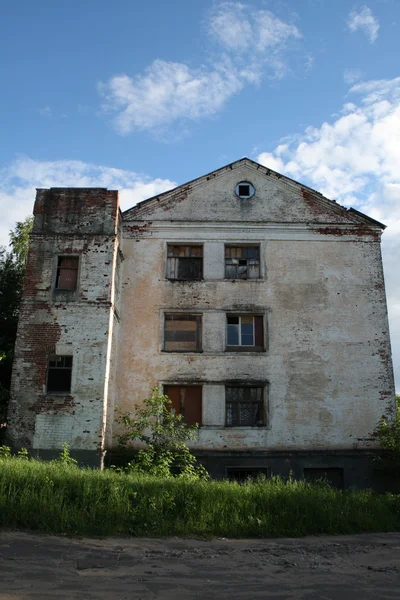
x=165 y=435
x=387 y=433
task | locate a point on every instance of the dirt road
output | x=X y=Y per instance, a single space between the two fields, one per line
x=323 y=568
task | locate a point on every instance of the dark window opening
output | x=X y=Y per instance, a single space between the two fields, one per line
x=245 y=332
x=59 y=374
x=333 y=475
x=185 y=262
x=182 y=332
x=244 y=189
x=242 y=474
x=186 y=400
x=244 y=406
x=67 y=272
x=242 y=262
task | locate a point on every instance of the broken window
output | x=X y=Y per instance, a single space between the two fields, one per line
x=182 y=332
x=186 y=401
x=67 y=272
x=245 y=332
x=242 y=262
x=185 y=262
x=244 y=406
x=59 y=374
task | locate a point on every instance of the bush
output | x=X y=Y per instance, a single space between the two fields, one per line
x=165 y=435
x=387 y=433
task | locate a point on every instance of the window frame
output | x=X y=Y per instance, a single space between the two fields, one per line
x=252 y=190
x=51 y=357
x=199 y=331
x=242 y=246
x=187 y=245
x=247 y=386
x=186 y=385
x=57 y=275
x=256 y=347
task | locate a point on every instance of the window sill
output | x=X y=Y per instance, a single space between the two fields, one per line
x=181 y=351
x=235 y=427
x=245 y=349
x=183 y=280
x=244 y=280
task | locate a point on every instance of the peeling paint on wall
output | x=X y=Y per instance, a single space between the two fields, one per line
x=324 y=364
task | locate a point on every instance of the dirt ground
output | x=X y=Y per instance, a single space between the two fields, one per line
x=325 y=568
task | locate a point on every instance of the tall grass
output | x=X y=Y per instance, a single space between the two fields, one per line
x=62 y=499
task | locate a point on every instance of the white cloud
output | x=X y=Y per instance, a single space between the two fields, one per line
x=351 y=76
x=355 y=159
x=19 y=180
x=239 y=28
x=365 y=21
x=169 y=91
x=253 y=43
x=46 y=111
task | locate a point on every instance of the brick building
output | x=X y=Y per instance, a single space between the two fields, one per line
x=258 y=304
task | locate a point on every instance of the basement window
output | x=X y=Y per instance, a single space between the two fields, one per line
x=242 y=262
x=67 y=272
x=244 y=406
x=59 y=374
x=184 y=262
x=331 y=475
x=243 y=474
x=244 y=333
x=186 y=400
x=182 y=332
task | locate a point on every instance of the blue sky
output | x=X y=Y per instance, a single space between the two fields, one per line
x=144 y=96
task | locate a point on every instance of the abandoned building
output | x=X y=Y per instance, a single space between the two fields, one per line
x=254 y=301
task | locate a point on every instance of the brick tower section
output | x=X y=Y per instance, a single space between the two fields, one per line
x=64 y=365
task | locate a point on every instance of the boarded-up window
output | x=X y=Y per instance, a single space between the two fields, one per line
x=186 y=401
x=59 y=374
x=182 y=332
x=67 y=272
x=185 y=262
x=245 y=332
x=242 y=262
x=244 y=406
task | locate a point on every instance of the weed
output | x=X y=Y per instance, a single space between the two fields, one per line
x=60 y=498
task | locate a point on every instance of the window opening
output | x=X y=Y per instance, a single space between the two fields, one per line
x=242 y=474
x=186 y=400
x=333 y=475
x=182 y=332
x=242 y=262
x=244 y=406
x=184 y=262
x=67 y=272
x=245 y=331
x=244 y=190
x=59 y=374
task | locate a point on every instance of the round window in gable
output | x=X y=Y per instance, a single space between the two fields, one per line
x=244 y=189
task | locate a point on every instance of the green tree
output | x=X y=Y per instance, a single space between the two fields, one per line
x=165 y=435
x=387 y=433
x=12 y=271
